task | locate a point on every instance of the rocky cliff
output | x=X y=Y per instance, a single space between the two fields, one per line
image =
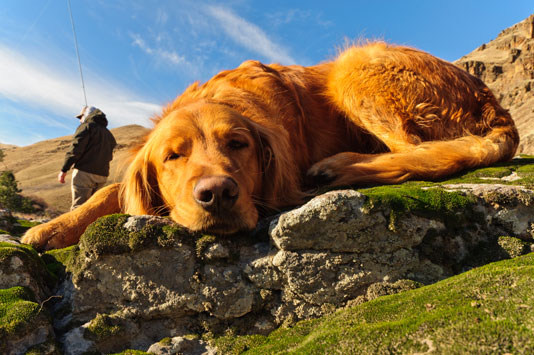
x=506 y=65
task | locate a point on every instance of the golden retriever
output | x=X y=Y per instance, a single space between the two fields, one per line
x=249 y=138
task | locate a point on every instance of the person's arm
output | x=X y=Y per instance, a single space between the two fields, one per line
x=61 y=177
x=77 y=148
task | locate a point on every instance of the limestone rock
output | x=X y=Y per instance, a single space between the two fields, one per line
x=506 y=65
x=149 y=279
x=181 y=345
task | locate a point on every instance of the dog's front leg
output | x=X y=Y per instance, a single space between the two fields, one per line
x=66 y=229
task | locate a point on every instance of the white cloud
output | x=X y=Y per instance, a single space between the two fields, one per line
x=53 y=90
x=158 y=53
x=249 y=35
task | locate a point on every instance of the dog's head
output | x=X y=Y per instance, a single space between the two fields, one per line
x=209 y=168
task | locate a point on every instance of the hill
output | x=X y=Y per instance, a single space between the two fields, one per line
x=506 y=65
x=36 y=166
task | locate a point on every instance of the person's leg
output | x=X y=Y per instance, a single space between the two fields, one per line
x=81 y=188
x=98 y=182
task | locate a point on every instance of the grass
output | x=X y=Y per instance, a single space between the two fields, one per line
x=485 y=310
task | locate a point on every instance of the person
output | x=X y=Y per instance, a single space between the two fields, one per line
x=90 y=152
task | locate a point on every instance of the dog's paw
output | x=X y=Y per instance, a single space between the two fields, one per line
x=336 y=170
x=320 y=174
x=37 y=237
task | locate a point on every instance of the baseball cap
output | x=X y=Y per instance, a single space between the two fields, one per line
x=80 y=115
x=86 y=110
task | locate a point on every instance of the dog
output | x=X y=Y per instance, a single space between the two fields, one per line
x=248 y=140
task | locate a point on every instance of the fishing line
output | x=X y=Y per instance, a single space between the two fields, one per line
x=77 y=52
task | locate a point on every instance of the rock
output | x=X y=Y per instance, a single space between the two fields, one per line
x=506 y=65
x=24 y=324
x=6 y=238
x=25 y=286
x=6 y=220
x=20 y=265
x=145 y=278
x=181 y=345
x=144 y=282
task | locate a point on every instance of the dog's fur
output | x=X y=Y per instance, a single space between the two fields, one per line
x=378 y=114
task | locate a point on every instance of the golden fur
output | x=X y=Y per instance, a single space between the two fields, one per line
x=252 y=136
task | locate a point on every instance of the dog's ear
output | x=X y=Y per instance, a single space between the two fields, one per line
x=281 y=185
x=140 y=194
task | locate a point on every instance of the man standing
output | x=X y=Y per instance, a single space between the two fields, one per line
x=90 y=153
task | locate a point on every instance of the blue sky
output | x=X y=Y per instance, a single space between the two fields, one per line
x=137 y=55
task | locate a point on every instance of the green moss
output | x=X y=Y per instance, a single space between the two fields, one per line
x=22 y=226
x=191 y=337
x=8 y=248
x=27 y=224
x=107 y=235
x=57 y=259
x=4 y=232
x=230 y=345
x=485 y=310
x=17 y=311
x=101 y=327
x=523 y=166
x=165 y=341
x=432 y=202
x=132 y=352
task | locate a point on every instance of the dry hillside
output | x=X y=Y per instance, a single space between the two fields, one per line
x=506 y=65
x=36 y=166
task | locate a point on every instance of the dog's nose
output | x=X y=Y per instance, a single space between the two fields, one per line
x=215 y=193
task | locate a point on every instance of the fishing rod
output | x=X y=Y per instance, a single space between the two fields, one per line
x=77 y=52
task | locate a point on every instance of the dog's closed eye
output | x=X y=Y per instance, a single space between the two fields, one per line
x=173 y=156
x=235 y=144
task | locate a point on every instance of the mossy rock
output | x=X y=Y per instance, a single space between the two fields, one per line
x=31 y=261
x=411 y=197
x=429 y=197
x=512 y=247
x=49 y=347
x=57 y=259
x=485 y=310
x=454 y=208
x=102 y=326
x=495 y=249
x=107 y=235
x=17 y=308
x=19 y=314
x=523 y=166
